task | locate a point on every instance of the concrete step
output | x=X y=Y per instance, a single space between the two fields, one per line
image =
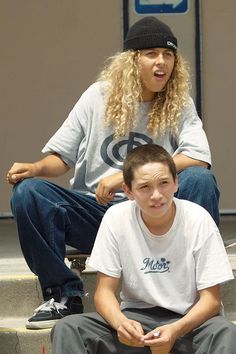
x=16 y=339
x=20 y=295
x=228 y=291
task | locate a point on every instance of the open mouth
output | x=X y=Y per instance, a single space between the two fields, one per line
x=159 y=74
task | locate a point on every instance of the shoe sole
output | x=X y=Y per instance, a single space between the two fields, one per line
x=41 y=324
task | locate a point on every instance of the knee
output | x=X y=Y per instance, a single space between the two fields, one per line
x=69 y=325
x=23 y=192
x=221 y=326
x=199 y=176
x=60 y=334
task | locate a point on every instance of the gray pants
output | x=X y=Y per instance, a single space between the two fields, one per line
x=89 y=333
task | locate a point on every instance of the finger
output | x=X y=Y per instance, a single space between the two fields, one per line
x=130 y=342
x=10 y=182
x=157 y=342
x=99 y=195
x=152 y=335
x=131 y=333
x=104 y=199
x=99 y=189
x=138 y=327
x=16 y=169
x=101 y=200
x=14 y=178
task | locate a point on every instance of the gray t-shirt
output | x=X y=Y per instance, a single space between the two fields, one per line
x=85 y=143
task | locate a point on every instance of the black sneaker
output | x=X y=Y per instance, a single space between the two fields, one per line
x=46 y=315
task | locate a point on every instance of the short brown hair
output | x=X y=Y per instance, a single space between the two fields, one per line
x=142 y=155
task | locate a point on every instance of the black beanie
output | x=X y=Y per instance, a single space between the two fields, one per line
x=149 y=32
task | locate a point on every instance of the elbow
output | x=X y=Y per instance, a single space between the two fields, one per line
x=204 y=164
x=216 y=308
x=97 y=301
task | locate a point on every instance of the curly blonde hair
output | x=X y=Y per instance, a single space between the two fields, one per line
x=124 y=94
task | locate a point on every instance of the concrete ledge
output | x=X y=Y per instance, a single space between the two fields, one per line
x=20 y=295
x=16 y=339
x=232 y=259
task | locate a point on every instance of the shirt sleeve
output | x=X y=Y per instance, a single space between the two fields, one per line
x=67 y=139
x=105 y=256
x=191 y=139
x=212 y=263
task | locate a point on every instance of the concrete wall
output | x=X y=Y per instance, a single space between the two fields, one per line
x=51 y=50
x=219 y=77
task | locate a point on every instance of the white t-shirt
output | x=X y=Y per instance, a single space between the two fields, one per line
x=165 y=270
x=85 y=143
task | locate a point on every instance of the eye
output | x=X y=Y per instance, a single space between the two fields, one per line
x=169 y=53
x=150 y=53
x=164 y=182
x=145 y=186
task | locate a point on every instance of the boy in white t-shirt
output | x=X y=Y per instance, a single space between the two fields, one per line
x=170 y=259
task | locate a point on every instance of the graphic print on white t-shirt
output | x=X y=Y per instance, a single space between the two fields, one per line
x=151 y=265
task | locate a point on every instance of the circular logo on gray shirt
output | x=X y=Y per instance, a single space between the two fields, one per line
x=113 y=152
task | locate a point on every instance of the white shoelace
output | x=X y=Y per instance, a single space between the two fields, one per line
x=50 y=305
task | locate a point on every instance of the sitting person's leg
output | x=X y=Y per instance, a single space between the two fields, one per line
x=198 y=185
x=215 y=336
x=48 y=217
x=88 y=333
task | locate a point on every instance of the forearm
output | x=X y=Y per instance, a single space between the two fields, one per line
x=204 y=309
x=50 y=166
x=182 y=161
x=108 y=307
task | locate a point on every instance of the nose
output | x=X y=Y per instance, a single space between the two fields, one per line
x=160 y=59
x=156 y=194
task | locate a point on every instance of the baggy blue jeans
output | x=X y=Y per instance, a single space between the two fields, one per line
x=48 y=217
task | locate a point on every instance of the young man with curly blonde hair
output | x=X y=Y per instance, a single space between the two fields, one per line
x=140 y=97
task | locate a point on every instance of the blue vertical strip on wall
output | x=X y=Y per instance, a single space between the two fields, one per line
x=125 y=17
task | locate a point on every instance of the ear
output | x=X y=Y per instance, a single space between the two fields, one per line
x=176 y=184
x=127 y=191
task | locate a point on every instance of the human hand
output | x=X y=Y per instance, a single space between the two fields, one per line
x=161 y=340
x=131 y=333
x=107 y=187
x=20 y=171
